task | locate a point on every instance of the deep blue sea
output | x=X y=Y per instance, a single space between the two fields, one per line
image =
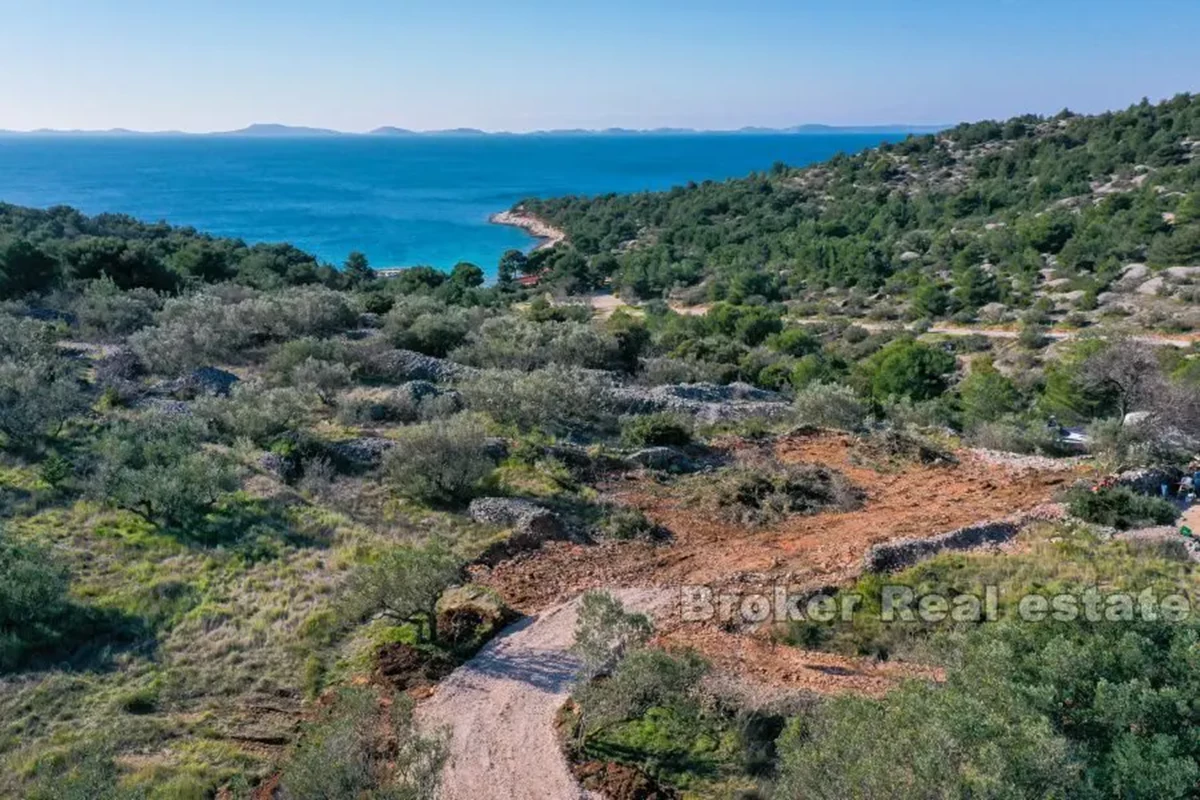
x=402 y=201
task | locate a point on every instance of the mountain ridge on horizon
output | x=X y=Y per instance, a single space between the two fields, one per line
x=281 y=131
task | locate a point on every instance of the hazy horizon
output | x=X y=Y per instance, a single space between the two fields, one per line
x=538 y=65
x=817 y=126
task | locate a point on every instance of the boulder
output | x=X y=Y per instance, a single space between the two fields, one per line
x=363 y=453
x=162 y=405
x=709 y=402
x=1152 y=286
x=118 y=364
x=1182 y=273
x=406 y=365
x=528 y=520
x=901 y=553
x=206 y=381
x=495 y=448
x=664 y=459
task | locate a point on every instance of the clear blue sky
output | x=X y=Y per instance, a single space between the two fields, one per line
x=526 y=64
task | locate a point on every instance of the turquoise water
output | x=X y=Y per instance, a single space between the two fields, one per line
x=401 y=201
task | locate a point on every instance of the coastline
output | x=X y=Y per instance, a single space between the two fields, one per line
x=546 y=234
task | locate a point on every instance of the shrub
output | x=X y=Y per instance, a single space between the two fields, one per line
x=39 y=387
x=283 y=363
x=1032 y=336
x=415 y=401
x=34 y=604
x=156 y=465
x=362 y=747
x=905 y=368
x=1121 y=508
x=513 y=343
x=37 y=398
x=322 y=378
x=655 y=430
x=764 y=493
x=986 y=394
x=554 y=400
x=830 y=405
x=1145 y=444
x=106 y=311
x=404 y=585
x=644 y=679
x=605 y=633
x=624 y=523
x=206 y=328
x=924 y=741
x=254 y=412
x=441 y=462
x=890 y=446
x=1011 y=436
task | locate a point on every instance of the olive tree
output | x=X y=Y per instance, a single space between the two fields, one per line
x=403 y=584
x=439 y=462
x=158 y=466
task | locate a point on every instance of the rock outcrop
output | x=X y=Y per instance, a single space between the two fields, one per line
x=708 y=402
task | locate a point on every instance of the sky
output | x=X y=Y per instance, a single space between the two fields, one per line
x=537 y=64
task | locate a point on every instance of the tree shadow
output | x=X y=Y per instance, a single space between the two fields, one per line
x=252 y=527
x=82 y=639
x=550 y=671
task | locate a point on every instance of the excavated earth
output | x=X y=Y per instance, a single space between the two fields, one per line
x=802 y=553
x=499 y=708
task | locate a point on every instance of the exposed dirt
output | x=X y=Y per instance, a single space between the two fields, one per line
x=500 y=707
x=405 y=667
x=801 y=551
x=620 y=782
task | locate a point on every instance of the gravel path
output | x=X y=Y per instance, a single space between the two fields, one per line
x=501 y=705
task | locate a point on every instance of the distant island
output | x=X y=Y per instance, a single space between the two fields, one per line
x=279 y=131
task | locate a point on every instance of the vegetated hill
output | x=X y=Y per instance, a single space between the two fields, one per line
x=947 y=223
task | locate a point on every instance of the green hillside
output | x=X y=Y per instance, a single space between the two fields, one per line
x=946 y=223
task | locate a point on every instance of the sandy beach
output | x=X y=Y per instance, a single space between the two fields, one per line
x=546 y=234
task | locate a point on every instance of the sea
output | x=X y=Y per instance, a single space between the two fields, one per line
x=402 y=201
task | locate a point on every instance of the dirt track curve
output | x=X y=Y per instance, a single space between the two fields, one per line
x=501 y=705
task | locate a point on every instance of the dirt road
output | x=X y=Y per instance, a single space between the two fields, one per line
x=501 y=705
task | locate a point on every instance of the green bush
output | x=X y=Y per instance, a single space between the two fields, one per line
x=986 y=394
x=761 y=494
x=1077 y=704
x=1013 y=436
x=1121 y=508
x=103 y=310
x=830 y=405
x=442 y=462
x=362 y=746
x=255 y=412
x=404 y=585
x=39 y=387
x=35 y=608
x=644 y=679
x=624 y=523
x=157 y=465
x=415 y=401
x=554 y=400
x=515 y=343
x=293 y=355
x=656 y=430
x=923 y=741
x=909 y=369
x=205 y=329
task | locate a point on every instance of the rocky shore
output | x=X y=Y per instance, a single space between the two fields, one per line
x=546 y=234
